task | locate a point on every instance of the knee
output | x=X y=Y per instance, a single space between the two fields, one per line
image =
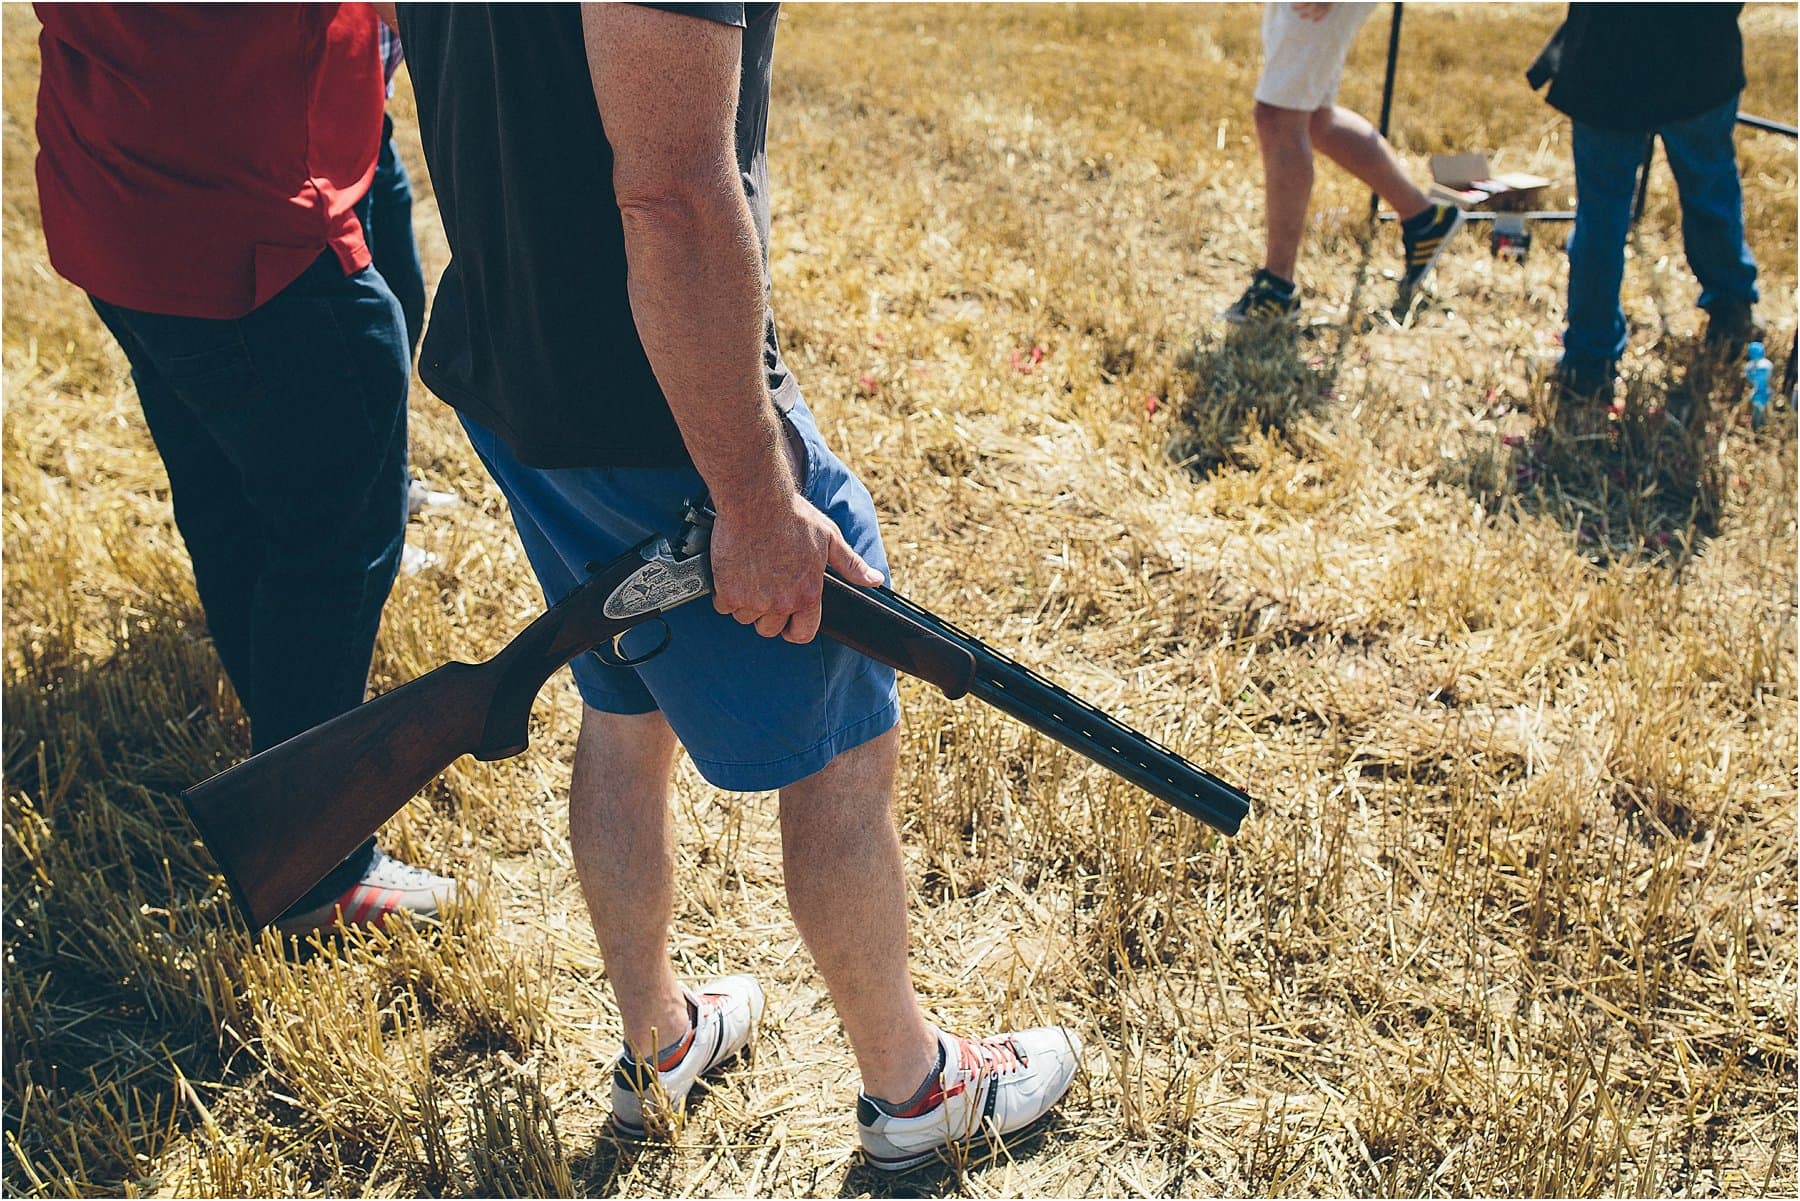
x=853 y=792
x=1280 y=128
x=620 y=759
x=1713 y=194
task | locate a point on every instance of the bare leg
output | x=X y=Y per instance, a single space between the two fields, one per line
x=846 y=886
x=1282 y=135
x=624 y=854
x=1356 y=146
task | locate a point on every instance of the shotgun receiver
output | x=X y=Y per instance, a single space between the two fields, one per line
x=282 y=819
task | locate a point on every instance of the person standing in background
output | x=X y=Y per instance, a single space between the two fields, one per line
x=396 y=254
x=203 y=174
x=1304 y=48
x=391 y=239
x=1626 y=74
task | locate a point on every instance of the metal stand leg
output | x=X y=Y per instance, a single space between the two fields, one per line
x=1387 y=92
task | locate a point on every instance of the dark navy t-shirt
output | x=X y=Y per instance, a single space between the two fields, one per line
x=531 y=331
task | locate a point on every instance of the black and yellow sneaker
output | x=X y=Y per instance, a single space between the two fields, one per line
x=1425 y=234
x=1268 y=298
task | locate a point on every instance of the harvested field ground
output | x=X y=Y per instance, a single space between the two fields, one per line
x=1514 y=688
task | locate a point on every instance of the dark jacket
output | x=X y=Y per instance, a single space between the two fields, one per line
x=1636 y=67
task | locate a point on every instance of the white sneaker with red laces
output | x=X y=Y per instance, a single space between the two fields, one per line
x=647 y=1096
x=387 y=886
x=987 y=1088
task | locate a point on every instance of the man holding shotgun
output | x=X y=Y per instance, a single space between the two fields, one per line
x=603 y=330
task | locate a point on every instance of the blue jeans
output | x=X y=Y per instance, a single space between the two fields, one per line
x=284 y=437
x=1703 y=158
x=390 y=235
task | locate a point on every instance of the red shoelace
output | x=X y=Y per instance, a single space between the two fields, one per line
x=989 y=1056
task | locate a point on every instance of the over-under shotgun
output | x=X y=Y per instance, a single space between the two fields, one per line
x=282 y=819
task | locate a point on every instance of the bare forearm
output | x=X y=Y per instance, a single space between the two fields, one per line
x=696 y=288
x=666 y=85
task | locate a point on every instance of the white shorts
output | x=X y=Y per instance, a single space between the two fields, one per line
x=1303 y=60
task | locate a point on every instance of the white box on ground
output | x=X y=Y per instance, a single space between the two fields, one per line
x=1468 y=180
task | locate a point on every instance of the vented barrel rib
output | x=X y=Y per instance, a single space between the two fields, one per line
x=1054 y=712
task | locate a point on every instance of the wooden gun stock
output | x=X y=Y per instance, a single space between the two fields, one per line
x=281 y=820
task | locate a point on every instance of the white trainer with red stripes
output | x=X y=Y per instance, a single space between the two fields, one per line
x=388 y=886
x=647 y=1097
x=988 y=1088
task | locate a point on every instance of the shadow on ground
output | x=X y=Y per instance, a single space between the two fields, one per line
x=116 y=928
x=1261 y=377
x=1636 y=476
x=1255 y=378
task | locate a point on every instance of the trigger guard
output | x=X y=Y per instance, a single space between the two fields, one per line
x=612 y=656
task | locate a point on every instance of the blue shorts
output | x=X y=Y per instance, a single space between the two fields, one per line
x=754 y=713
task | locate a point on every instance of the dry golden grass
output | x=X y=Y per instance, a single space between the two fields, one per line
x=1515 y=689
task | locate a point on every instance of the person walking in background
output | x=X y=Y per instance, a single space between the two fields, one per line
x=395 y=249
x=1626 y=74
x=230 y=260
x=1304 y=48
x=391 y=240
x=603 y=330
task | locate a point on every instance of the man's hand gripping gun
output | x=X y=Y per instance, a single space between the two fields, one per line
x=282 y=819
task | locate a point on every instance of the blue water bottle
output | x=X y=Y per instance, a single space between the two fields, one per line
x=1757 y=370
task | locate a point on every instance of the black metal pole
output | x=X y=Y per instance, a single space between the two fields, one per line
x=1387 y=91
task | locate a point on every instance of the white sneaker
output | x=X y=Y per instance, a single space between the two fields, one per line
x=387 y=886
x=648 y=1096
x=988 y=1088
x=414 y=559
x=421 y=496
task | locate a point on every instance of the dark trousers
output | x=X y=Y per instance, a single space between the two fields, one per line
x=284 y=437
x=390 y=235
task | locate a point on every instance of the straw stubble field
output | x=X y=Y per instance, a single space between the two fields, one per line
x=1514 y=688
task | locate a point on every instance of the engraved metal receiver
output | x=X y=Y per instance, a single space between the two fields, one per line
x=670 y=575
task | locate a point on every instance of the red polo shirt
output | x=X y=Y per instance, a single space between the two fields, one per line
x=194 y=159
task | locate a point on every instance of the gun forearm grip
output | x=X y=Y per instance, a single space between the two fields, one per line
x=857 y=618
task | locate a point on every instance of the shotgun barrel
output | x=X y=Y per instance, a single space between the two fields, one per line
x=1022 y=693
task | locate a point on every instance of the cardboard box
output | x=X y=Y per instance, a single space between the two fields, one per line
x=1467 y=180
